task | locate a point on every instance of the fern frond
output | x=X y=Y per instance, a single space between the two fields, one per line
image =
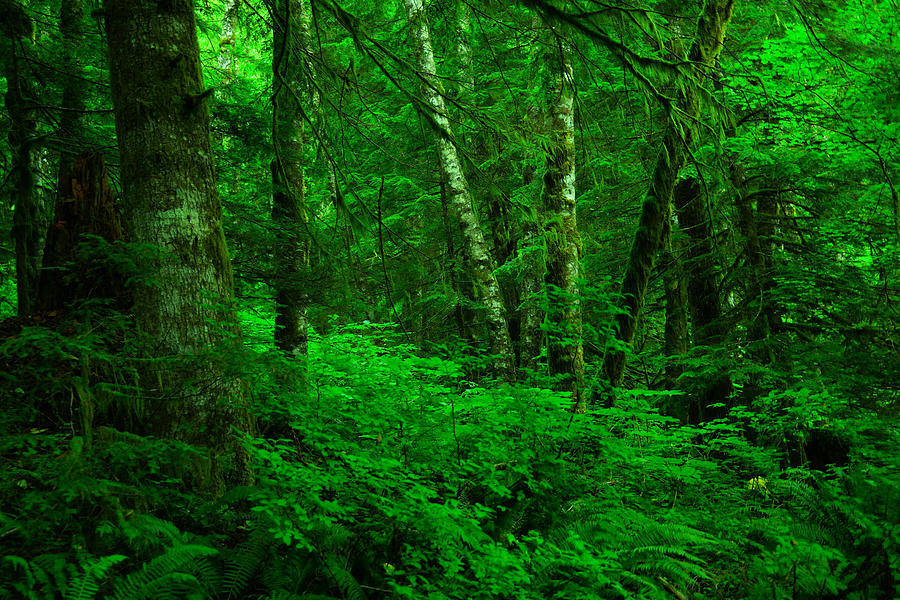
x=345 y=581
x=243 y=563
x=86 y=585
x=163 y=574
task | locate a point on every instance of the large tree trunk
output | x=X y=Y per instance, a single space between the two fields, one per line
x=459 y=196
x=172 y=202
x=288 y=209
x=705 y=49
x=29 y=220
x=565 y=354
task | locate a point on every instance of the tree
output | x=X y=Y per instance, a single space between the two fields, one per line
x=565 y=354
x=29 y=222
x=290 y=39
x=707 y=45
x=172 y=202
x=459 y=197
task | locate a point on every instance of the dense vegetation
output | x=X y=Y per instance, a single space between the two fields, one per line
x=312 y=299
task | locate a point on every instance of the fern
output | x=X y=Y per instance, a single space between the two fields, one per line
x=244 y=562
x=165 y=575
x=86 y=585
x=345 y=581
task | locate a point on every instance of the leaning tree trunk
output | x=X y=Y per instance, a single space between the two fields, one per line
x=288 y=210
x=185 y=315
x=29 y=223
x=565 y=354
x=705 y=49
x=459 y=196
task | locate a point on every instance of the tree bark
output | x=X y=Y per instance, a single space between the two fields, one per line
x=85 y=205
x=288 y=206
x=459 y=196
x=172 y=203
x=565 y=353
x=705 y=304
x=29 y=220
x=705 y=49
x=675 y=344
x=702 y=288
x=71 y=125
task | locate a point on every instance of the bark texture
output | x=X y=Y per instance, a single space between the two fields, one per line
x=704 y=301
x=71 y=126
x=172 y=202
x=705 y=49
x=288 y=207
x=700 y=266
x=458 y=194
x=565 y=353
x=29 y=222
x=675 y=343
x=85 y=205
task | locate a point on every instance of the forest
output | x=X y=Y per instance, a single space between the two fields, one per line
x=450 y=299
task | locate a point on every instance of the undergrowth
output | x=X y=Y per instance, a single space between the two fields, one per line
x=383 y=474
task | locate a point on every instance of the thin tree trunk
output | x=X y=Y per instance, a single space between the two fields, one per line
x=172 y=202
x=288 y=209
x=228 y=40
x=532 y=251
x=565 y=353
x=458 y=194
x=707 y=44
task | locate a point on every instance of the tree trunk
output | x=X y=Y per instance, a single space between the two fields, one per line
x=85 y=205
x=71 y=126
x=172 y=203
x=700 y=266
x=532 y=251
x=288 y=209
x=676 y=328
x=29 y=221
x=228 y=40
x=704 y=302
x=459 y=196
x=565 y=354
x=707 y=44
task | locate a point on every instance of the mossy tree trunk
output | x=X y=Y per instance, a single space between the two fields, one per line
x=675 y=340
x=565 y=353
x=700 y=265
x=29 y=220
x=458 y=194
x=71 y=125
x=291 y=27
x=532 y=252
x=704 y=302
x=186 y=318
x=707 y=45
